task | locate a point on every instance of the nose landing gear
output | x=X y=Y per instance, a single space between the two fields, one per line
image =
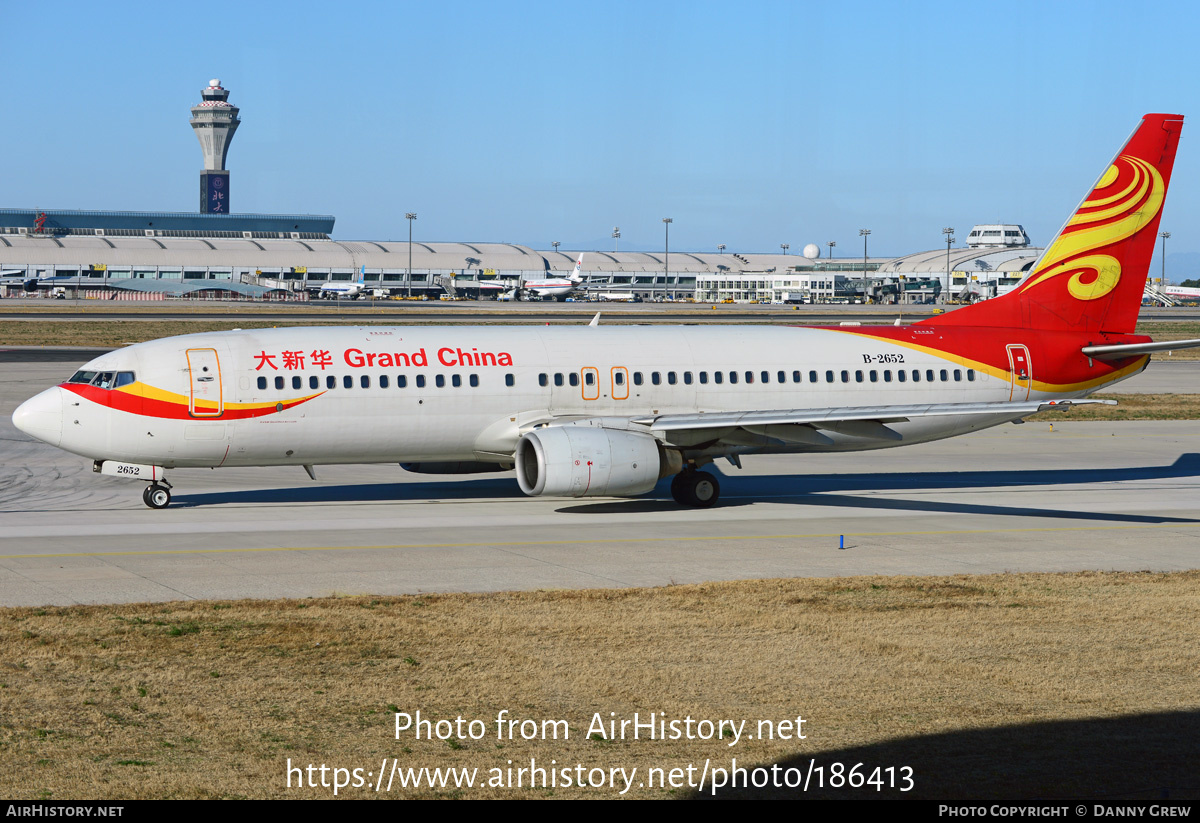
x=157 y=496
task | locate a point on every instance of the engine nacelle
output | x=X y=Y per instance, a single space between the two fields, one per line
x=587 y=461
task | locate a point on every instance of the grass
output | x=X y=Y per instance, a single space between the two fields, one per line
x=123 y=332
x=1130 y=407
x=107 y=702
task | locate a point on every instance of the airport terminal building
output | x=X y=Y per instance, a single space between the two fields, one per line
x=255 y=256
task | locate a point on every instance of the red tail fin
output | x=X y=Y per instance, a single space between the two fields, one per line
x=1093 y=275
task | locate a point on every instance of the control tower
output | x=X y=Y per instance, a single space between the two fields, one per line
x=215 y=121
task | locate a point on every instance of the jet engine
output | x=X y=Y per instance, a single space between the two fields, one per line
x=588 y=461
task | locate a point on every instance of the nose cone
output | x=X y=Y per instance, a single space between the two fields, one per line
x=41 y=416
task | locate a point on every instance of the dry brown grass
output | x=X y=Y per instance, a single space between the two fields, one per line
x=1130 y=407
x=204 y=699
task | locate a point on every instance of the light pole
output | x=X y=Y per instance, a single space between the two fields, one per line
x=949 y=232
x=864 y=234
x=555 y=244
x=831 y=244
x=410 y=217
x=1162 y=281
x=616 y=237
x=667 y=221
x=720 y=248
x=785 y=247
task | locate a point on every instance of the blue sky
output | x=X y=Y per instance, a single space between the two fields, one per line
x=534 y=122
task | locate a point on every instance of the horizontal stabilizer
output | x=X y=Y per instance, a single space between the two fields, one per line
x=1122 y=351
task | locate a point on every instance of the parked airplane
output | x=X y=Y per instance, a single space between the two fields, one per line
x=608 y=411
x=557 y=287
x=1180 y=292
x=331 y=289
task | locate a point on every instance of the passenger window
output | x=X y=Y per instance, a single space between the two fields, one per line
x=944 y=376
x=420 y=381
x=314 y=382
x=637 y=378
x=558 y=379
x=929 y=375
x=365 y=381
x=509 y=380
x=766 y=377
x=439 y=380
x=971 y=375
x=958 y=375
x=619 y=378
x=574 y=379
x=589 y=377
x=262 y=382
x=383 y=381
x=330 y=382
x=749 y=377
x=887 y=375
x=279 y=382
x=297 y=383
x=858 y=376
x=671 y=377
x=456 y=381
x=655 y=378
x=795 y=376
x=733 y=377
x=687 y=377
x=916 y=375
x=401 y=381
x=348 y=382
x=543 y=379
x=782 y=377
x=829 y=376
x=845 y=376
x=812 y=376
x=901 y=375
x=703 y=377
x=475 y=381
x=874 y=376
x=718 y=376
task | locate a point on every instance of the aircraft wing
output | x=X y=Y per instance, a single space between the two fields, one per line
x=804 y=425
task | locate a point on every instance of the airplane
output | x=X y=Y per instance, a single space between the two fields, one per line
x=583 y=411
x=331 y=289
x=556 y=287
x=1180 y=292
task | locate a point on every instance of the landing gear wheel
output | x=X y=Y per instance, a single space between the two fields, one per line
x=156 y=496
x=698 y=490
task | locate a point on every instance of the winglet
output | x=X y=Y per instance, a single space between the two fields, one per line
x=595 y=320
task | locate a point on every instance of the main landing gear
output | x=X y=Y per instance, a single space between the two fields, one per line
x=157 y=496
x=695 y=489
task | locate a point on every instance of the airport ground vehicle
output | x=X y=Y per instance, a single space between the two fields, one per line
x=610 y=410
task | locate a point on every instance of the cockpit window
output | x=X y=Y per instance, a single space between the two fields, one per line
x=104 y=379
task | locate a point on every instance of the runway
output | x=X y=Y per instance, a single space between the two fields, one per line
x=1014 y=498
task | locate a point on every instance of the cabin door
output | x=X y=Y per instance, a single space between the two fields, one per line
x=206 y=396
x=1020 y=372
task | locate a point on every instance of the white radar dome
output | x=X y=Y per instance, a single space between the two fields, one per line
x=214 y=83
x=812 y=251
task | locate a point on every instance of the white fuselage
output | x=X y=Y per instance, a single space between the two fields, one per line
x=377 y=394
